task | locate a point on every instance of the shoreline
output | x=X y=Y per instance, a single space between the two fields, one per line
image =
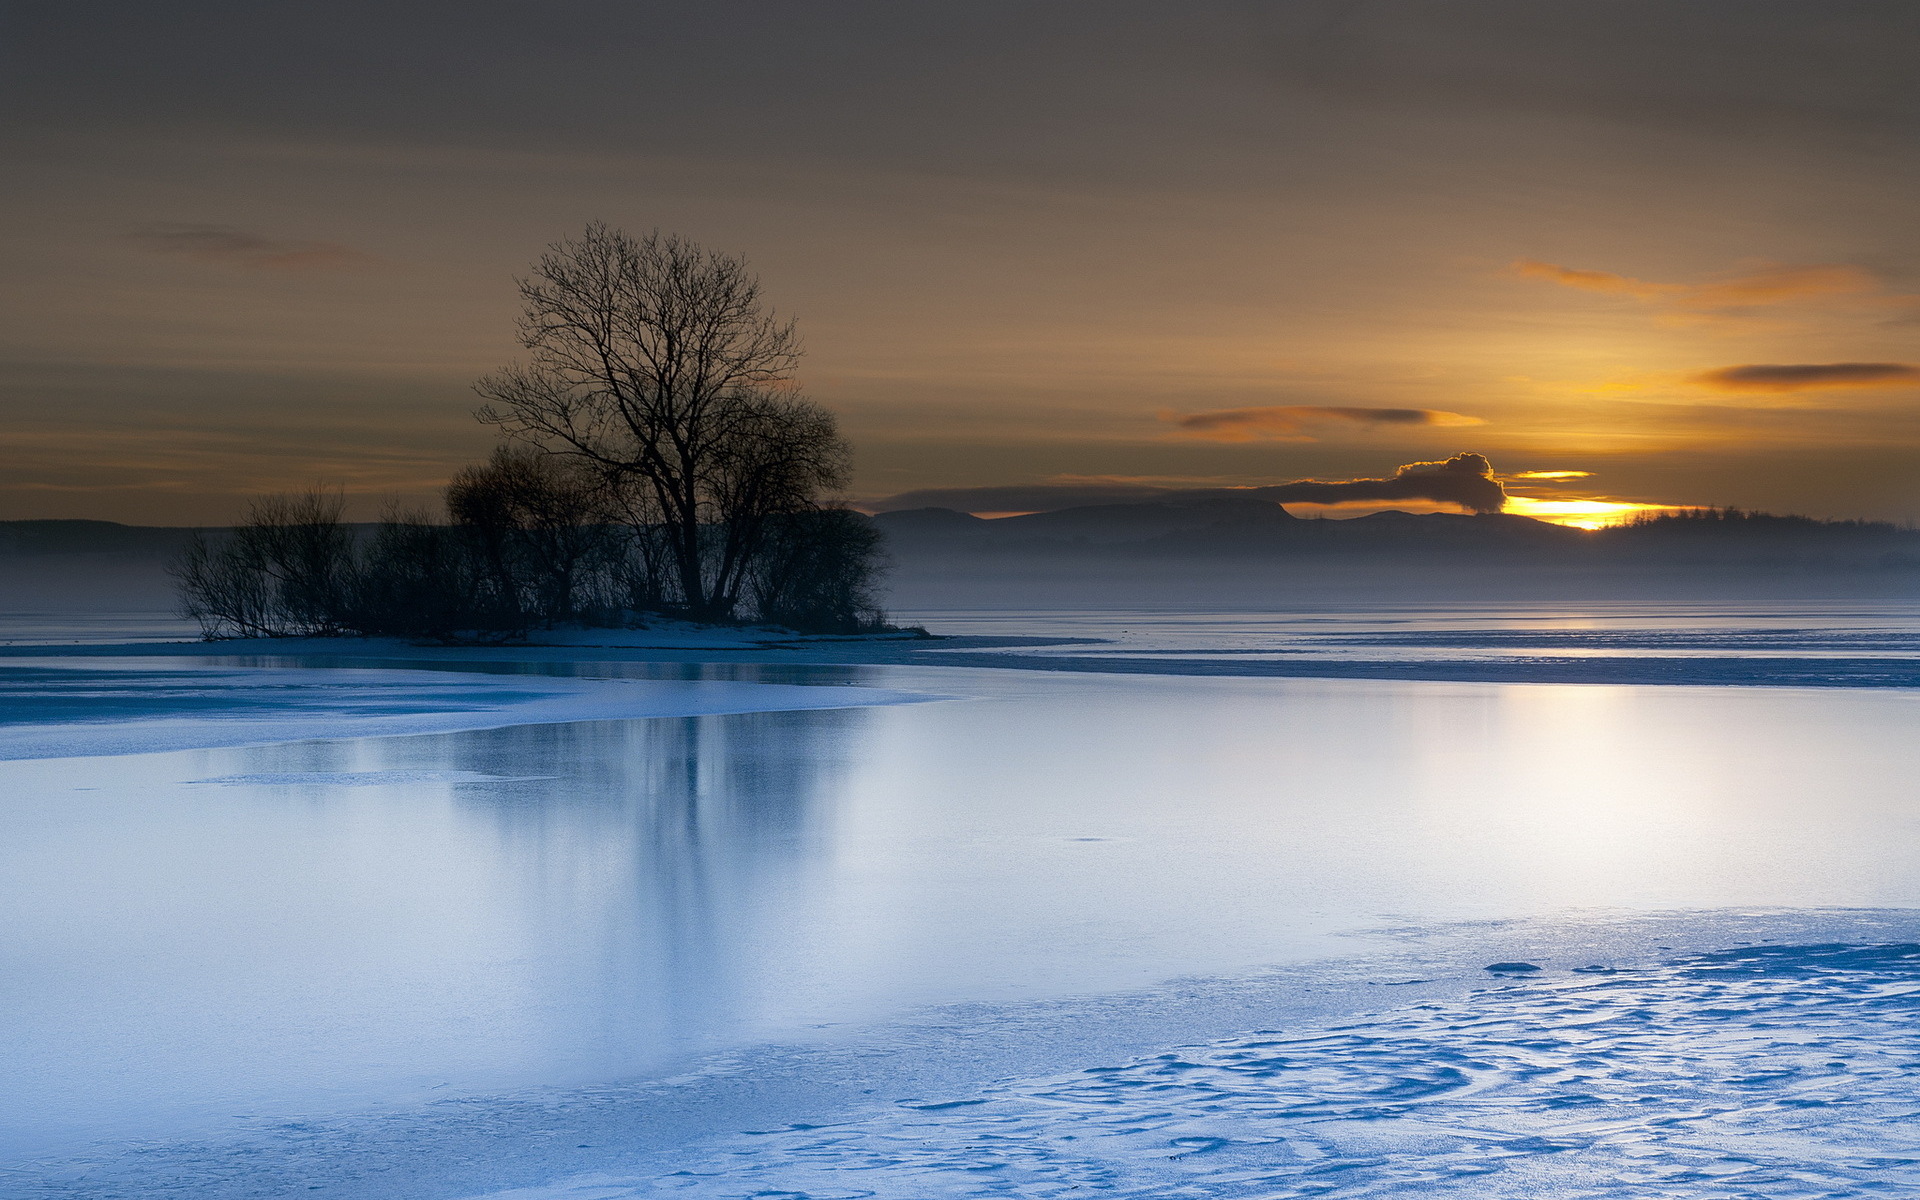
x=980 y=652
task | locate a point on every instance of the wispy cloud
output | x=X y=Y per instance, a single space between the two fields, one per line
x=1799 y=377
x=1291 y=422
x=1604 y=282
x=1769 y=286
x=227 y=246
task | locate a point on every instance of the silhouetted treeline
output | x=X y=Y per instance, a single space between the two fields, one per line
x=526 y=547
x=1740 y=522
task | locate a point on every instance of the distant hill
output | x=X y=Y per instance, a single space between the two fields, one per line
x=1245 y=550
x=1254 y=527
x=87 y=566
x=89 y=537
x=1098 y=525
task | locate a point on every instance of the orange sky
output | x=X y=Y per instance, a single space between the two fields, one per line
x=1191 y=245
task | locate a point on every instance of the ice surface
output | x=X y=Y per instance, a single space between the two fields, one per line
x=54 y=708
x=1801 y=644
x=361 y=778
x=1016 y=946
x=1515 y=633
x=663 y=634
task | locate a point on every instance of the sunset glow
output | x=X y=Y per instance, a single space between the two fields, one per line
x=1358 y=270
x=1584 y=514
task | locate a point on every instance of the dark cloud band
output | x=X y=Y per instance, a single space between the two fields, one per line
x=1465 y=479
x=1244 y=424
x=1794 y=377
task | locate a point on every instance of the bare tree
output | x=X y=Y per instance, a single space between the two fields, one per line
x=225 y=597
x=302 y=543
x=646 y=562
x=657 y=362
x=785 y=453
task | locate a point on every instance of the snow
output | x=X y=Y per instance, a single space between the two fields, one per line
x=1635 y=1064
x=1780 y=1071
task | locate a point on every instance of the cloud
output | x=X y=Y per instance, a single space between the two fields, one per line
x=1764 y=287
x=1605 y=282
x=1465 y=479
x=234 y=247
x=1551 y=475
x=1289 y=422
x=1781 y=285
x=1795 y=377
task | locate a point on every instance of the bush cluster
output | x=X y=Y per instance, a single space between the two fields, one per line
x=528 y=542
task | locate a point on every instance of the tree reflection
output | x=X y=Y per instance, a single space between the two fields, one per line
x=661 y=863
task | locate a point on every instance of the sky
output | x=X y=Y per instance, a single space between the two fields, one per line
x=1633 y=252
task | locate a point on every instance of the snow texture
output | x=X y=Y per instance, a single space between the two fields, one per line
x=1757 y=1072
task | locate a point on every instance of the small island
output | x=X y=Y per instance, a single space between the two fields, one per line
x=659 y=462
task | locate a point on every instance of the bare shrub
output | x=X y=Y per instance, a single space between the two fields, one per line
x=285 y=571
x=818 y=572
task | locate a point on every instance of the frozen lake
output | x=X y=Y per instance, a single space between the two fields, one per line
x=254 y=941
x=1867 y=630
